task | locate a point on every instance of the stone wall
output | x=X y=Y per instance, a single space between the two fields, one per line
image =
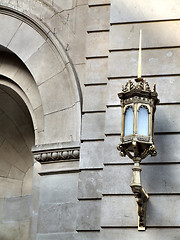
x=62 y=64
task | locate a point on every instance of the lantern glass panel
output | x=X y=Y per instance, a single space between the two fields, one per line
x=143 y=121
x=128 y=122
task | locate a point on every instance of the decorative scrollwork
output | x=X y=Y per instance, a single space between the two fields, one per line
x=64 y=154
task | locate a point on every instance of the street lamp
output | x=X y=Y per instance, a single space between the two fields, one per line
x=138 y=105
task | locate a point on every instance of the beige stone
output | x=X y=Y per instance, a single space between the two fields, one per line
x=46 y=69
x=155 y=62
x=94 y=98
x=98 y=44
x=10 y=187
x=93 y=126
x=25 y=42
x=154 y=34
x=95 y=2
x=96 y=70
x=24 y=230
x=9 y=231
x=8 y=27
x=98 y=18
x=129 y=234
x=27 y=182
x=15 y=173
x=91 y=155
x=133 y=11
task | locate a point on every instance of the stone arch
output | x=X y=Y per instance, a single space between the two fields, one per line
x=52 y=71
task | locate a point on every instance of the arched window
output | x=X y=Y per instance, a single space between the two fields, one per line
x=143 y=121
x=128 y=122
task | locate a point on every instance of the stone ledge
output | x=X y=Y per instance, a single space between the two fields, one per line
x=56 y=152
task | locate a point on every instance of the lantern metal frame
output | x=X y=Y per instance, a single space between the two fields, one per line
x=137 y=146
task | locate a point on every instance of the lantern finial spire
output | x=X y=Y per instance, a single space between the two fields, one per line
x=139 y=78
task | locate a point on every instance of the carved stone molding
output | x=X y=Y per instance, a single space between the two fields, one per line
x=56 y=152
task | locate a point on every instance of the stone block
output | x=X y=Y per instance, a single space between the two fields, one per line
x=113 y=120
x=15 y=173
x=172 y=83
x=97 y=44
x=122 y=211
x=97 y=70
x=155 y=62
x=57 y=236
x=119 y=211
x=99 y=18
x=167 y=118
x=89 y=215
x=117 y=179
x=90 y=184
x=112 y=155
x=27 y=182
x=64 y=5
x=9 y=231
x=91 y=155
x=50 y=64
x=10 y=187
x=54 y=218
x=95 y=2
x=136 y=11
x=150 y=233
x=24 y=230
x=70 y=118
x=1 y=209
x=88 y=236
x=154 y=34
x=17 y=209
x=93 y=126
x=59 y=188
x=94 y=98
x=25 y=42
x=155 y=179
x=9 y=26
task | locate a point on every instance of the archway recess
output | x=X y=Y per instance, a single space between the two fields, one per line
x=55 y=81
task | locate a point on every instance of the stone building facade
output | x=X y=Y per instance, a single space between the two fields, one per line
x=62 y=63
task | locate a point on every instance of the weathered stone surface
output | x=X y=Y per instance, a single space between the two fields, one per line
x=155 y=62
x=98 y=18
x=24 y=230
x=27 y=182
x=10 y=187
x=122 y=211
x=49 y=59
x=94 y=98
x=96 y=70
x=1 y=208
x=89 y=215
x=119 y=211
x=155 y=179
x=59 y=119
x=113 y=120
x=17 y=209
x=9 y=231
x=126 y=36
x=95 y=2
x=57 y=236
x=93 y=126
x=135 y=11
x=15 y=173
x=91 y=155
x=129 y=234
x=88 y=236
x=54 y=218
x=167 y=118
x=90 y=184
x=8 y=26
x=162 y=84
x=30 y=41
x=60 y=188
x=64 y=5
x=98 y=44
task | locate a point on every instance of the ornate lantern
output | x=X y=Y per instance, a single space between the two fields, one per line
x=138 y=105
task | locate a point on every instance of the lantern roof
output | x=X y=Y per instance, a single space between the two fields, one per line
x=141 y=89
